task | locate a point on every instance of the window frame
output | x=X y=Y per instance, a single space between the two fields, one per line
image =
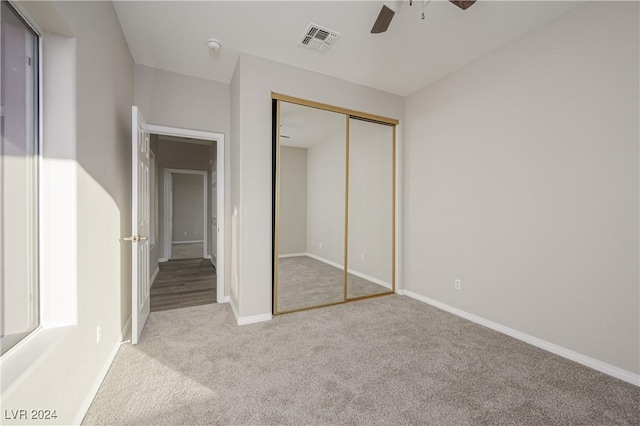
x=35 y=133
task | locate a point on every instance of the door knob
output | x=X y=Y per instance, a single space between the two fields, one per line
x=135 y=238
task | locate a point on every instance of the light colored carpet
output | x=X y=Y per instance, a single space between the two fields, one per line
x=186 y=251
x=305 y=282
x=382 y=361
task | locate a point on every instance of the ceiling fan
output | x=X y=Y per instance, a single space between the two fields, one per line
x=390 y=8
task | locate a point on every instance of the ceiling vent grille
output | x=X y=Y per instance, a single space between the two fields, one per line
x=318 y=38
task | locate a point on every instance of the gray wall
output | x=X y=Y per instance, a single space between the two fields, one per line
x=99 y=149
x=177 y=155
x=235 y=258
x=176 y=100
x=293 y=200
x=188 y=208
x=325 y=202
x=252 y=84
x=170 y=99
x=521 y=179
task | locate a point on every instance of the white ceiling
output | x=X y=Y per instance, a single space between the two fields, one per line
x=172 y=35
x=307 y=126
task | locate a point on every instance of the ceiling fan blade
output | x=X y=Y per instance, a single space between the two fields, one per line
x=384 y=19
x=464 y=5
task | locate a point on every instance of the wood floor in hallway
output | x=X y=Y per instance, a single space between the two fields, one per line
x=183 y=283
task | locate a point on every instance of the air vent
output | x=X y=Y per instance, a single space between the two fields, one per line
x=318 y=38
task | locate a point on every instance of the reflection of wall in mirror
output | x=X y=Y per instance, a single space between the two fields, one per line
x=293 y=201
x=371 y=200
x=325 y=202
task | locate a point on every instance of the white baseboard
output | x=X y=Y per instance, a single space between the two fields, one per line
x=226 y=299
x=254 y=319
x=587 y=361
x=162 y=260
x=96 y=385
x=211 y=259
x=250 y=319
x=351 y=271
x=369 y=278
x=187 y=242
x=234 y=309
x=154 y=276
x=282 y=256
x=125 y=330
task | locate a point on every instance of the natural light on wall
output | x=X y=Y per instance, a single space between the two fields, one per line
x=19 y=180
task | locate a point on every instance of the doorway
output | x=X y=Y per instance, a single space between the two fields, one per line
x=203 y=221
x=186 y=214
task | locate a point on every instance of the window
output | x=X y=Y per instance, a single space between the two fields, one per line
x=19 y=162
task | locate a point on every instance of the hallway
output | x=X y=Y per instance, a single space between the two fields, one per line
x=183 y=283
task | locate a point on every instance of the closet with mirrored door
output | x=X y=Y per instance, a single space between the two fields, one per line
x=333 y=205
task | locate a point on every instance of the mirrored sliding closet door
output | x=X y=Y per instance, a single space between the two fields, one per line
x=370 y=207
x=333 y=207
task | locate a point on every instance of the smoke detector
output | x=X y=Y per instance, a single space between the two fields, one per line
x=214 y=44
x=318 y=38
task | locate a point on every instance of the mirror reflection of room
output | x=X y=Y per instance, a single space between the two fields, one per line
x=334 y=207
x=370 y=230
x=312 y=207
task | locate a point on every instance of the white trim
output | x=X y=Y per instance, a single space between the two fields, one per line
x=180 y=132
x=350 y=271
x=323 y=260
x=21 y=359
x=213 y=263
x=154 y=276
x=220 y=221
x=95 y=387
x=162 y=260
x=227 y=299
x=600 y=366
x=188 y=242
x=371 y=279
x=252 y=319
x=284 y=256
x=234 y=310
x=25 y=17
x=168 y=138
x=125 y=330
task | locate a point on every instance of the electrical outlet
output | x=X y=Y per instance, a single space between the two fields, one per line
x=457 y=284
x=98 y=334
x=362 y=257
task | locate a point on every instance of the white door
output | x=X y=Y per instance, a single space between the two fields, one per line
x=140 y=225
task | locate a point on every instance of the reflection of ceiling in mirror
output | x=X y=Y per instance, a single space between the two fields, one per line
x=306 y=126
